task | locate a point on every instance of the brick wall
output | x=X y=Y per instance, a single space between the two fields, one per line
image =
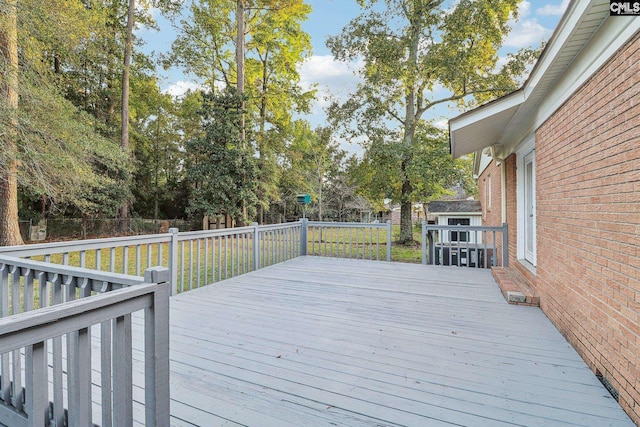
x=490 y=181
x=588 y=222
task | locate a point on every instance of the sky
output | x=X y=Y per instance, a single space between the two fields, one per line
x=537 y=21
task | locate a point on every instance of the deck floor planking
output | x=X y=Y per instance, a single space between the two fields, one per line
x=318 y=341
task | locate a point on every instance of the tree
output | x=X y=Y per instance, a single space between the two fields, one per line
x=222 y=170
x=432 y=172
x=126 y=70
x=410 y=47
x=260 y=61
x=9 y=227
x=50 y=149
x=312 y=160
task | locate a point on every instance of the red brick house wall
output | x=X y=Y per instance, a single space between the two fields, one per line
x=490 y=196
x=588 y=222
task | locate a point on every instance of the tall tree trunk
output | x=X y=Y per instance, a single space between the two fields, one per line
x=128 y=47
x=410 y=121
x=262 y=163
x=9 y=226
x=240 y=88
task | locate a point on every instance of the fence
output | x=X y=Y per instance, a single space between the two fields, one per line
x=78 y=228
x=49 y=314
x=462 y=245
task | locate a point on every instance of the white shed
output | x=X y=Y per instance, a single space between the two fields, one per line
x=457 y=212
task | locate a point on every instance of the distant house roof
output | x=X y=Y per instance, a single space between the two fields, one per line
x=455 y=206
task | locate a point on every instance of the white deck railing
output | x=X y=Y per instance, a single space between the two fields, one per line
x=465 y=246
x=49 y=314
x=349 y=240
x=199 y=258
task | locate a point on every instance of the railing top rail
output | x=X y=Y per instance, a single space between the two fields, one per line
x=348 y=224
x=30 y=327
x=284 y=225
x=189 y=235
x=464 y=227
x=69 y=271
x=82 y=245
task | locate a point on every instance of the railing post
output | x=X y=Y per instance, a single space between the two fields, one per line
x=173 y=259
x=432 y=251
x=505 y=245
x=389 y=240
x=256 y=246
x=304 y=224
x=156 y=339
x=423 y=240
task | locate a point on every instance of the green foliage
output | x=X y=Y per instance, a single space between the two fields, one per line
x=222 y=168
x=431 y=170
x=409 y=48
x=60 y=155
x=274 y=45
x=313 y=164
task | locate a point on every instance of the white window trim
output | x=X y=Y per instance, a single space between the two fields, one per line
x=528 y=145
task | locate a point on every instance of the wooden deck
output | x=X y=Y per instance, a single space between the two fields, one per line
x=325 y=342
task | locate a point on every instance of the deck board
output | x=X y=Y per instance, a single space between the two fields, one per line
x=320 y=341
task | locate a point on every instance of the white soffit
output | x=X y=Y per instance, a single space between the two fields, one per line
x=483 y=126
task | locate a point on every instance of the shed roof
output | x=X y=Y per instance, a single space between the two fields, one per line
x=455 y=206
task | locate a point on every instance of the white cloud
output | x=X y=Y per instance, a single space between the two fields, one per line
x=181 y=87
x=442 y=124
x=333 y=79
x=553 y=9
x=325 y=70
x=524 y=9
x=527 y=33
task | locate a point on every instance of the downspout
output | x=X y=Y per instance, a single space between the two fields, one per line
x=503 y=183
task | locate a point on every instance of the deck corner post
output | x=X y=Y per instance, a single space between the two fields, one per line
x=304 y=224
x=256 y=246
x=505 y=245
x=423 y=241
x=157 y=386
x=173 y=259
x=157 y=275
x=389 y=240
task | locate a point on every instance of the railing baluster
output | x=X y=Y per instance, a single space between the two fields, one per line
x=125 y=259
x=226 y=257
x=82 y=367
x=206 y=260
x=112 y=260
x=138 y=260
x=106 y=373
x=219 y=255
x=181 y=272
x=37 y=394
x=198 y=255
x=122 y=372
x=58 y=393
x=190 y=284
x=17 y=394
x=5 y=390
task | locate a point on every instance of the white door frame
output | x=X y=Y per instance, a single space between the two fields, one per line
x=529 y=232
x=525 y=223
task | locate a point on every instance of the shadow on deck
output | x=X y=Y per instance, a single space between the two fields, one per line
x=320 y=341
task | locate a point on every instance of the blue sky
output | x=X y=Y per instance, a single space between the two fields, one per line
x=538 y=19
